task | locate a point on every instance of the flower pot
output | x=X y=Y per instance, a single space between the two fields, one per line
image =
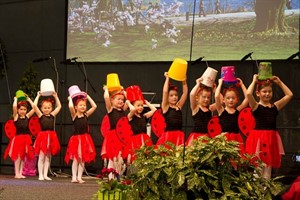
x=112 y=195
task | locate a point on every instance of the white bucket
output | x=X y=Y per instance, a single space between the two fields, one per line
x=47 y=87
x=209 y=77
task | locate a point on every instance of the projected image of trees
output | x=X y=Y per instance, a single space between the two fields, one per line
x=140 y=30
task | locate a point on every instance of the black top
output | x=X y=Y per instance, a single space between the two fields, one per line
x=114 y=117
x=201 y=120
x=138 y=124
x=229 y=122
x=47 y=122
x=81 y=125
x=22 y=126
x=173 y=119
x=265 y=117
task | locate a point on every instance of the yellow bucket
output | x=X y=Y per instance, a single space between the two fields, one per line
x=112 y=82
x=178 y=69
x=21 y=96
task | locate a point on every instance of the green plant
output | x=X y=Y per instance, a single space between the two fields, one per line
x=29 y=83
x=210 y=169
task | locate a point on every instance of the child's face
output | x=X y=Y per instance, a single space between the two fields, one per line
x=118 y=101
x=22 y=111
x=81 y=106
x=265 y=94
x=204 y=98
x=46 y=108
x=173 y=97
x=230 y=99
x=139 y=106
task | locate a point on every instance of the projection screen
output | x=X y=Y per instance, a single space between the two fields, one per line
x=161 y=30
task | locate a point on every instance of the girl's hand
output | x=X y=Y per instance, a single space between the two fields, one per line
x=166 y=74
x=276 y=79
x=199 y=80
x=240 y=81
x=255 y=77
x=104 y=87
x=220 y=81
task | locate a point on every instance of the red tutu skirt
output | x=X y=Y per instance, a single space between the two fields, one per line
x=112 y=145
x=294 y=192
x=176 y=137
x=139 y=140
x=236 y=137
x=81 y=147
x=19 y=145
x=194 y=136
x=46 y=141
x=267 y=145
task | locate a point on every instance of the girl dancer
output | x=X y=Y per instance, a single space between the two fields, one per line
x=114 y=149
x=228 y=115
x=264 y=140
x=46 y=143
x=201 y=107
x=81 y=147
x=171 y=109
x=138 y=120
x=20 y=145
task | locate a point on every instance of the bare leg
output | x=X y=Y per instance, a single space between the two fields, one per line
x=17 y=167
x=267 y=171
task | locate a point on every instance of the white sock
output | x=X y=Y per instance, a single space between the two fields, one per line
x=46 y=167
x=74 y=170
x=80 y=171
x=41 y=165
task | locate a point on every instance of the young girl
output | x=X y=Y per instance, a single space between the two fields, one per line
x=228 y=115
x=113 y=148
x=265 y=140
x=20 y=145
x=171 y=109
x=201 y=107
x=81 y=148
x=138 y=122
x=46 y=143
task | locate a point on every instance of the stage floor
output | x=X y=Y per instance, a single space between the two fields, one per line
x=59 y=188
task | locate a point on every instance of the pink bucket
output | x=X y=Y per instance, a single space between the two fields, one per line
x=228 y=74
x=74 y=91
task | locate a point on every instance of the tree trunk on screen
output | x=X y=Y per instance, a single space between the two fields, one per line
x=270 y=15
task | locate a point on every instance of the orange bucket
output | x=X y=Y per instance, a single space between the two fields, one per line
x=112 y=82
x=178 y=69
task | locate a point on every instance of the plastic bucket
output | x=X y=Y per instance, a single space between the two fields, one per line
x=47 y=87
x=228 y=74
x=134 y=93
x=177 y=70
x=74 y=91
x=20 y=95
x=112 y=82
x=209 y=77
x=265 y=70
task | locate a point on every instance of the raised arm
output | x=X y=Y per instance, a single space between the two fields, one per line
x=165 y=94
x=71 y=107
x=107 y=100
x=245 y=102
x=36 y=107
x=15 y=108
x=287 y=93
x=93 y=106
x=57 y=104
x=218 y=97
x=131 y=110
x=31 y=112
x=193 y=94
x=184 y=95
x=249 y=94
x=151 y=111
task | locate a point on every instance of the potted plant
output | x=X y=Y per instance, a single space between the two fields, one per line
x=209 y=169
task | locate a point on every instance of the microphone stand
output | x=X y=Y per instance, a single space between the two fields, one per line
x=5 y=72
x=86 y=80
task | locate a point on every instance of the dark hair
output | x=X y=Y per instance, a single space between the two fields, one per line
x=228 y=89
x=47 y=100
x=263 y=83
x=172 y=87
x=22 y=103
x=204 y=88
